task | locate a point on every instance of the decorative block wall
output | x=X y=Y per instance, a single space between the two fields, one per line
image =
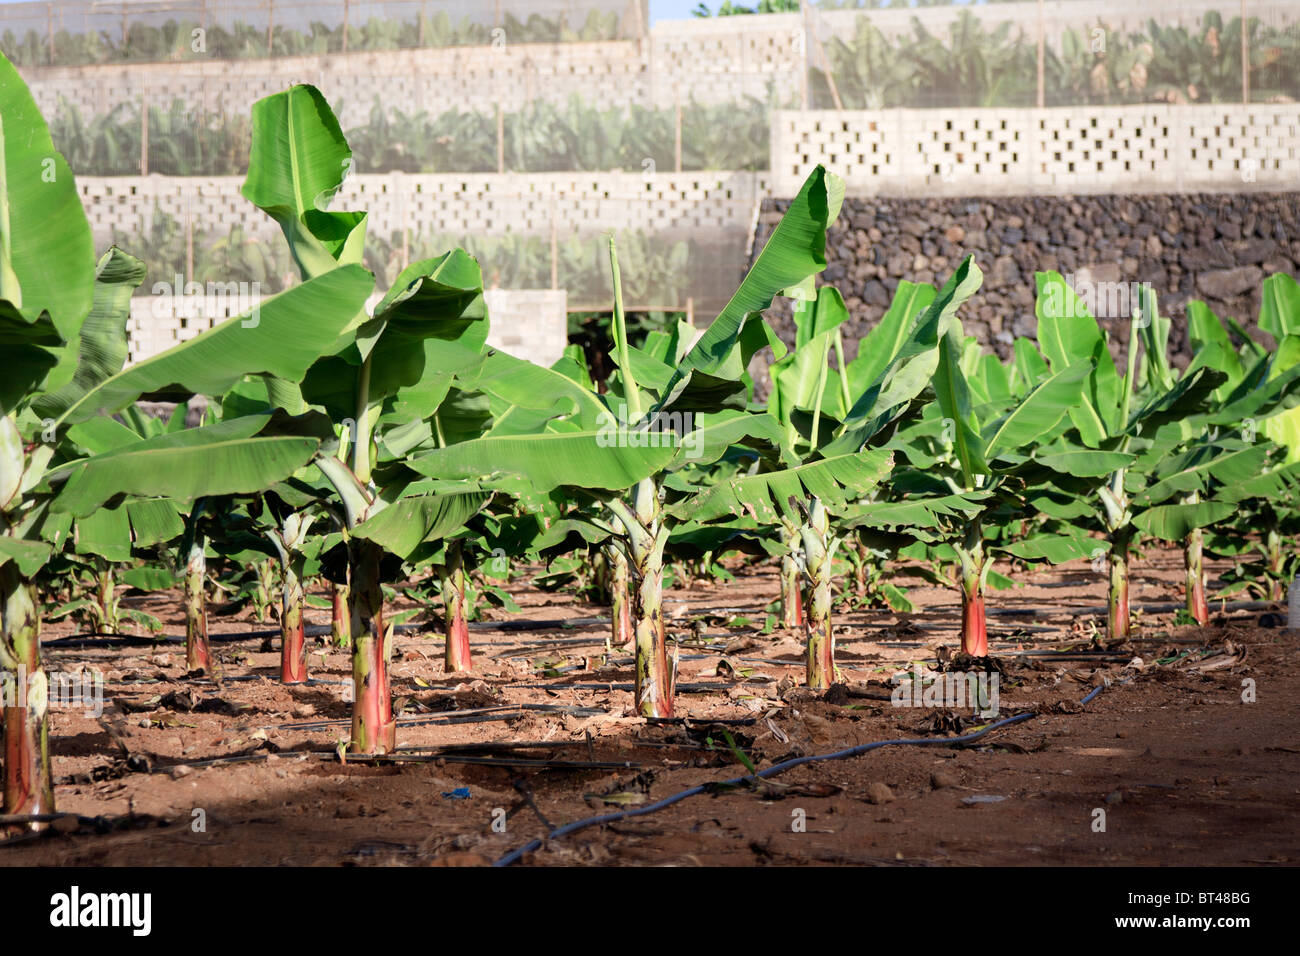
x=989 y=152
x=670 y=204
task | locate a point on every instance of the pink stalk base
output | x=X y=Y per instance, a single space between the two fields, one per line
x=293 y=651
x=458 y=656
x=974 y=630
x=374 y=729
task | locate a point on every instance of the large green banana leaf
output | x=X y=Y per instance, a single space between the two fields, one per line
x=1154 y=367
x=409 y=523
x=592 y=458
x=799 y=380
x=227 y=458
x=1189 y=396
x=517 y=384
x=1174 y=522
x=1084 y=462
x=795 y=250
x=1211 y=346
x=111 y=533
x=1054 y=548
x=1279 y=315
x=909 y=513
x=298 y=162
x=953 y=395
x=1037 y=413
x=101 y=344
x=1193 y=469
x=1279 y=309
x=1068 y=334
x=47 y=258
x=29 y=556
x=281 y=337
x=1028 y=366
x=891 y=334
x=767 y=496
x=907 y=361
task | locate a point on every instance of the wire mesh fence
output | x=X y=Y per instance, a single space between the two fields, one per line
x=434 y=95
x=1059 y=53
x=84 y=32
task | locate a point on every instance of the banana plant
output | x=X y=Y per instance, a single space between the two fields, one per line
x=658 y=418
x=387 y=381
x=984 y=452
x=836 y=436
x=290 y=541
x=65 y=370
x=1156 y=488
x=1155 y=460
x=1254 y=416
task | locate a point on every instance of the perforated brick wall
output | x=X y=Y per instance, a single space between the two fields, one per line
x=1147 y=148
x=669 y=204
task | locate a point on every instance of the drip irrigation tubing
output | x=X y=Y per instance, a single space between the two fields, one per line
x=502 y=712
x=515 y=855
x=112 y=639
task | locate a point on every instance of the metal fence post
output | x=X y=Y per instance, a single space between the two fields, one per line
x=1245 y=56
x=144 y=131
x=1042 y=55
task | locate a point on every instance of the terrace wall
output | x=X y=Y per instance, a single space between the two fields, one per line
x=1214 y=247
x=990 y=152
x=718 y=61
x=714 y=203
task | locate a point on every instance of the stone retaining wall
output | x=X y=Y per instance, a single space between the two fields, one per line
x=1214 y=247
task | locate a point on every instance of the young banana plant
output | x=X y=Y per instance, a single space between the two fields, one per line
x=832 y=436
x=289 y=540
x=193 y=554
x=1240 y=422
x=63 y=325
x=659 y=418
x=388 y=380
x=457 y=655
x=1157 y=463
x=989 y=451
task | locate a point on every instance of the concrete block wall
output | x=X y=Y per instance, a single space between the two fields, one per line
x=989 y=152
x=531 y=204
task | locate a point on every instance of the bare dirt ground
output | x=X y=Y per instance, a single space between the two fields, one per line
x=245 y=771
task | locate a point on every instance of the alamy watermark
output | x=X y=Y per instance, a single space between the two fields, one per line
x=953 y=690
x=1099 y=299
x=660 y=430
x=192 y=300
x=79 y=689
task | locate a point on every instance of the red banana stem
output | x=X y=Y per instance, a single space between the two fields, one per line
x=28 y=784
x=374 y=730
x=457 y=657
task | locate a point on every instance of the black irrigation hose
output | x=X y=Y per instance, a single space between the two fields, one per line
x=110 y=639
x=515 y=855
x=113 y=639
x=556 y=623
x=504 y=711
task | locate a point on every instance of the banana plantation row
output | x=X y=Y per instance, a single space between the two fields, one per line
x=369 y=447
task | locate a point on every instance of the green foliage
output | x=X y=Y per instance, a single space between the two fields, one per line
x=175 y=40
x=975 y=66
x=542 y=137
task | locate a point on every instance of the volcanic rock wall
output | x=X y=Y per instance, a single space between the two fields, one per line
x=1217 y=248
